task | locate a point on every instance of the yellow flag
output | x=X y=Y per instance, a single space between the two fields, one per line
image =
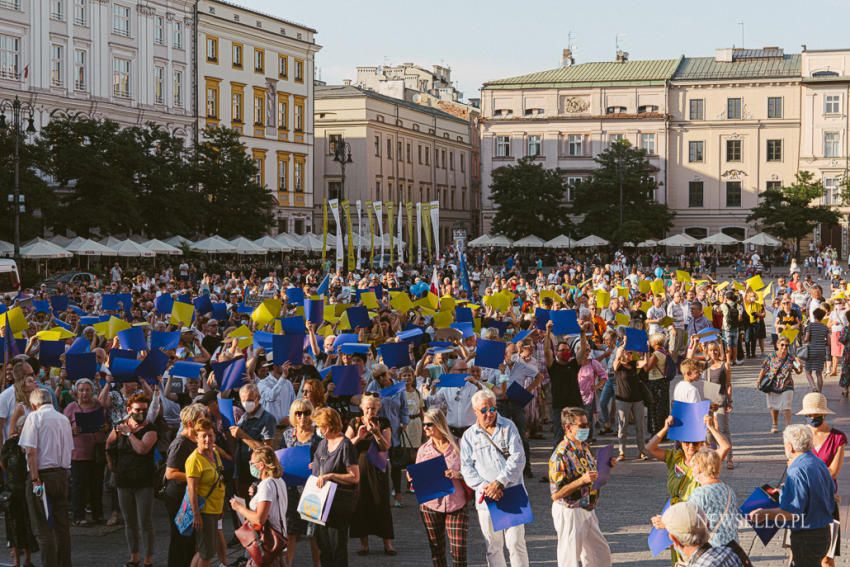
x=401 y=302
x=657 y=286
x=17 y=320
x=755 y=283
x=369 y=299
x=683 y=276
x=181 y=313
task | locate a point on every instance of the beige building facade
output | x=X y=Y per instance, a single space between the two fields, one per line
x=400 y=152
x=255 y=74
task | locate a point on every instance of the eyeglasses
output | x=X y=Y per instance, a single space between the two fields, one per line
x=373 y=394
x=491 y=409
x=301 y=413
x=427 y=424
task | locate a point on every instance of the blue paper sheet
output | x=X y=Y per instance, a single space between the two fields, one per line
x=225 y=408
x=133 y=339
x=353 y=348
x=295 y=295
x=121 y=353
x=395 y=355
x=520 y=336
x=294 y=325
x=264 y=339
x=288 y=348
x=465 y=327
x=358 y=317
x=203 y=304
x=186 y=369
x=637 y=340
x=165 y=340
x=513 y=509
x=429 y=479
x=688 y=421
x=564 y=322
x=79 y=346
x=456 y=380
x=346 y=380
x=314 y=311
x=603 y=465
x=90 y=421
x=501 y=326
x=541 y=317
x=412 y=334
x=296 y=464
x=490 y=354
x=390 y=391
x=376 y=457
x=760 y=499
x=49 y=353
x=124 y=369
x=110 y=302
x=464 y=315
x=519 y=395
x=59 y=303
x=153 y=366
x=343 y=338
x=163 y=303
x=41 y=306
x=659 y=540
x=229 y=374
x=219 y=311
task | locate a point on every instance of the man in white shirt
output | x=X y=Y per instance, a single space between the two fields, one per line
x=20 y=371
x=276 y=391
x=457 y=401
x=47 y=440
x=116 y=272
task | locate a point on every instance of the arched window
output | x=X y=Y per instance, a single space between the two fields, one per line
x=736 y=232
x=697 y=232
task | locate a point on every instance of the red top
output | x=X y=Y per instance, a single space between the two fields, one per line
x=827 y=451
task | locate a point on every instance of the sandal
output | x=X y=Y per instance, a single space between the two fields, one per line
x=773 y=429
x=114 y=520
x=644 y=457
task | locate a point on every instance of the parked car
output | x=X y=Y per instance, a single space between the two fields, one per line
x=68 y=278
x=10 y=279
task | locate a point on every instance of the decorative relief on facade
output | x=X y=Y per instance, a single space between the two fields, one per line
x=733 y=174
x=574 y=104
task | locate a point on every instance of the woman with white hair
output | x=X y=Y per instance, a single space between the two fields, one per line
x=688 y=527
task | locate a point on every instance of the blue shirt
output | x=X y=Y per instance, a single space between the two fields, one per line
x=481 y=463
x=809 y=492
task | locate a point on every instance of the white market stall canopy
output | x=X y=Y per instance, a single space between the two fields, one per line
x=680 y=239
x=530 y=241
x=178 y=241
x=480 y=241
x=214 y=245
x=561 y=241
x=130 y=249
x=647 y=244
x=718 y=238
x=500 y=242
x=289 y=242
x=272 y=245
x=159 y=247
x=591 y=240
x=762 y=239
x=86 y=247
x=40 y=249
x=246 y=247
x=6 y=248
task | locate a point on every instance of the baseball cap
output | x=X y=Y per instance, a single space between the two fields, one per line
x=684 y=518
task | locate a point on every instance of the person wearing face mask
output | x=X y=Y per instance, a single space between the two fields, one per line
x=563 y=375
x=572 y=472
x=828 y=445
x=130 y=455
x=688 y=527
x=254 y=429
x=806 y=500
x=716 y=498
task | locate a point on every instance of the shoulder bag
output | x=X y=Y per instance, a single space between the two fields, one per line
x=264 y=544
x=185 y=515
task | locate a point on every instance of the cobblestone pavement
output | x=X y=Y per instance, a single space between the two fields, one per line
x=635 y=493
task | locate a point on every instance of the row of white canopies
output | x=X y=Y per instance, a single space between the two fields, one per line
x=562 y=241
x=63 y=247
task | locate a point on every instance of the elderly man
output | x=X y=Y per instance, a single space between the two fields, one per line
x=572 y=472
x=47 y=440
x=687 y=526
x=492 y=459
x=676 y=311
x=457 y=400
x=254 y=429
x=807 y=499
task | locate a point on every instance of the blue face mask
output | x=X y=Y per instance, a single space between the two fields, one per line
x=815 y=421
x=582 y=434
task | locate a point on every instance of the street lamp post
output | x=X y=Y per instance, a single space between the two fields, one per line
x=342 y=155
x=18 y=108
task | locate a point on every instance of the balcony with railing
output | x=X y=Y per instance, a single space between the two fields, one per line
x=80 y=86
x=10 y=73
x=10 y=4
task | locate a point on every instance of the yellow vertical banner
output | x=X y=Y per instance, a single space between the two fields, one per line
x=371 y=234
x=409 y=207
x=426 y=224
x=389 y=207
x=324 y=231
x=346 y=207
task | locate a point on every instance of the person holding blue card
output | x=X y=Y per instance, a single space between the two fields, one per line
x=687 y=526
x=456 y=398
x=492 y=459
x=446 y=515
x=572 y=472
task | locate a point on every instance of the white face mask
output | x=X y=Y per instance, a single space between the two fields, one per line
x=249 y=406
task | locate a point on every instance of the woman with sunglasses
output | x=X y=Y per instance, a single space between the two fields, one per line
x=780 y=367
x=301 y=433
x=448 y=514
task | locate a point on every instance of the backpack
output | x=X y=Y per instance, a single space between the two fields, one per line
x=669 y=366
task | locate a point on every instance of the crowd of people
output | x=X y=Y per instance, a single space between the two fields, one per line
x=189 y=396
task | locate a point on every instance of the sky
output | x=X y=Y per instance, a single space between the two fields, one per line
x=485 y=40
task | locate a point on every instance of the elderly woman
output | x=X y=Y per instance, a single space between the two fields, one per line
x=89 y=454
x=779 y=367
x=19 y=534
x=335 y=460
x=394 y=409
x=658 y=410
x=716 y=498
x=829 y=444
x=371 y=436
x=300 y=434
x=447 y=514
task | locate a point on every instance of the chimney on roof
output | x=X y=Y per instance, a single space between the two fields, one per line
x=567 y=58
x=804 y=47
x=622 y=56
x=346 y=82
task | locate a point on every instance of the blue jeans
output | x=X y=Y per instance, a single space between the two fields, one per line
x=516 y=413
x=605 y=399
x=590 y=410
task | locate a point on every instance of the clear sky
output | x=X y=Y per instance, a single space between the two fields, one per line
x=489 y=39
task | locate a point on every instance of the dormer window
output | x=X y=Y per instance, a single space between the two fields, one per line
x=824 y=74
x=615 y=110
x=503 y=113
x=647 y=108
x=533 y=111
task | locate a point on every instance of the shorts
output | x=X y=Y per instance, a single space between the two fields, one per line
x=780 y=402
x=676 y=344
x=205 y=538
x=731 y=338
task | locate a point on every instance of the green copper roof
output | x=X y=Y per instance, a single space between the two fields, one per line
x=697 y=68
x=612 y=73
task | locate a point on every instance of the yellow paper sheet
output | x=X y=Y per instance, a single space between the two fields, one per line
x=723 y=286
x=657 y=286
x=622 y=319
x=369 y=299
x=401 y=302
x=755 y=283
x=645 y=306
x=666 y=321
x=622 y=292
x=117 y=325
x=17 y=320
x=63 y=333
x=644 y=286
x=551 y=293
x=261 y=315
x=181 y=313
x=447 y=303
x=683 y=276
x=790 y=334
x=739 y=286
x=48 y=335
x=443 y=319
x=243 y=333
x=603 y=298
x=765 y=293
x=708 y=312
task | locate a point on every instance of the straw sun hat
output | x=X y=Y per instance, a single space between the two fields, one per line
x=814 y=404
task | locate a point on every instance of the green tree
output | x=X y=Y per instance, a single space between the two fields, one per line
x=39 y=201
x=235 y=204
x=788 y=212
x=597 y=199
x=529 y=200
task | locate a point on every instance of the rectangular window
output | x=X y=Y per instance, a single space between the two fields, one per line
x=57 y=10
x=614 y=138
x=733 y=108
x=774 y=107
x=237 y=107
x=408 y=154
x=443 y=158
x=282 y=175
x=299 y=176
x=299 y=71
x=697 y=109
x=829 y=196
x=398 y=151
x=452 y=161
x=333 y=140
x=212 y=102
x=695 y=194
x=236 y=56
x=259 y=61
x=378 y=146
x=334 y=189
x=283 y=114
x=420 y=154
x=647 y=142
x=159 y=85
x=774 y=150
x=121 y=77
x=57 y=65
x=177 y=35
x=733 y=150
x=178 y=89
x=159 y=30
x=574 y=147
x=80 y=71
x=260 y=164
x=535 y=148
x=831 y=144
x=81 y=13
x=389 y=149
x=462 y=163
x=832 y=104
x=212 y=49
x=427 y=156
x=503 y=146
x=571 y=185
x=773 y=185
x=733 y=193
x=282 y=66
x=121 y=20
x=259 y=110
x=695 y=151
x=299 y=117
x=10 y=57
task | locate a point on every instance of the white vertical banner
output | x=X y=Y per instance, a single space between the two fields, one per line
x=379 y=215
x=359 y=234
x=418 y=233
x=340 y=250
x=435 y=229
x=399 y=240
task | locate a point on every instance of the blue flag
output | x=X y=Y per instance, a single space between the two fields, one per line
x=323 y=287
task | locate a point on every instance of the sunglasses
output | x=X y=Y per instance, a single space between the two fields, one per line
x=427 y=424
x=373 y=394
x=491 y=409
x=301 y=413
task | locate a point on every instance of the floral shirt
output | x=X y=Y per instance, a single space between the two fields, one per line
x=567 y=464
x=780 y=369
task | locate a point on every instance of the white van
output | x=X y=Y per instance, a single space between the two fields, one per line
x=10 y=279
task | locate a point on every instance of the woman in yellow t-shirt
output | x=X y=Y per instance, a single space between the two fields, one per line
x=204 y=481
x=755 y=327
